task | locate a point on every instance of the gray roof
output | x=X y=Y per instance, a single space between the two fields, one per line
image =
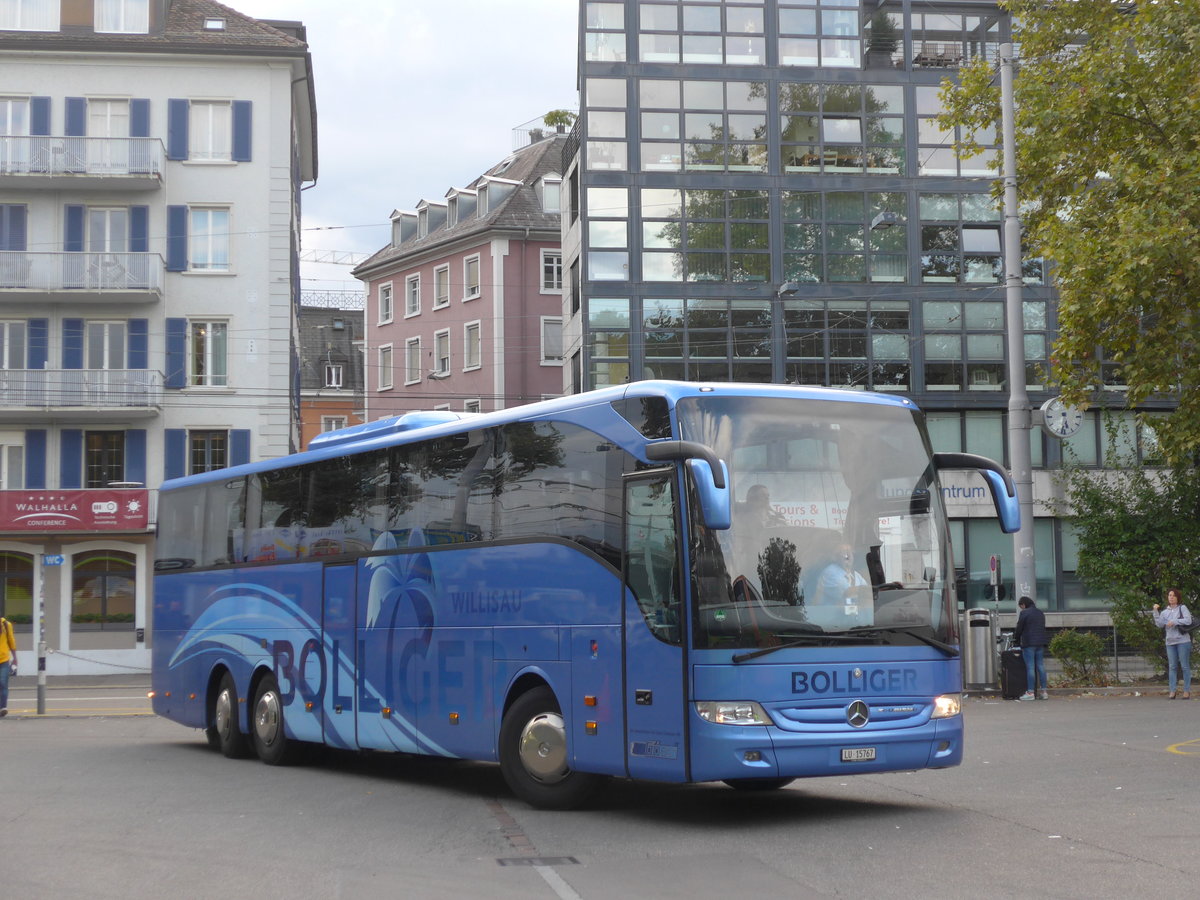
x=182 y=30
x=519 y=210
x=321 y=342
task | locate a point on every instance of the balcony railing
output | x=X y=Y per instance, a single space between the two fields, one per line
x=112 y=389
x=56 y=273
x=106 y=157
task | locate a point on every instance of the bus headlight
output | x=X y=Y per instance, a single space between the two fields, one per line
x=732 y=712
x=946 y=706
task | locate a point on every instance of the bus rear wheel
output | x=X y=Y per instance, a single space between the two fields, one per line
x=223 y=732
x=534 y=756
x=758 y=784
x=271 y=742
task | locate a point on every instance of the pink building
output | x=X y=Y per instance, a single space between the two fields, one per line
x=464 y=308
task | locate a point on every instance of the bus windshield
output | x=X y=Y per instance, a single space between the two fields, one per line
x=837 y=532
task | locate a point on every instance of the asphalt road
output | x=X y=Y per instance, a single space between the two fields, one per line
x=1088 y=797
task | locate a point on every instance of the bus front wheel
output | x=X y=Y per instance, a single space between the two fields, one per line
x=223 y=732
x=534 y=756
x=271 y=743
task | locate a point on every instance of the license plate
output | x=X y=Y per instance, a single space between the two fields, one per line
x=858 y=754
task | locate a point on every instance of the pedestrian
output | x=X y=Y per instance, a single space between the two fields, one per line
x=1179 y=643
x=1030 y=636
x=8 y=661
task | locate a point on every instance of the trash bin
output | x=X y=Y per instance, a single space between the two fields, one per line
x=979 y=649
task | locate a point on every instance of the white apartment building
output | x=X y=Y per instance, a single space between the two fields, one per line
x=151 y=158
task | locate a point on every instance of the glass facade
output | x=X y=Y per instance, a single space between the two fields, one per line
x=765 y=194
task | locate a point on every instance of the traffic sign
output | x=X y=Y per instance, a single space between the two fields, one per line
x=52 y=559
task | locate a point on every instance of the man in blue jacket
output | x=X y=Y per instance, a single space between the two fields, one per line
x=1030 y=635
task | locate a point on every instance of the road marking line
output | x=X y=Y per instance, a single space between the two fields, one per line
x=1194 y=750
x=557 y=884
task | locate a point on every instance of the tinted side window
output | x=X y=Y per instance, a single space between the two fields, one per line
x=346 y=504
x=649 y=415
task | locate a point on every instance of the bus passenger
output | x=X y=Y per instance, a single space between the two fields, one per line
x=759 y=509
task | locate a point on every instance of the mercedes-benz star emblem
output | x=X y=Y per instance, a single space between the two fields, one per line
x=858 y=714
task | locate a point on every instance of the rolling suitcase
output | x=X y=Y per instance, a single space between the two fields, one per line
x=1012 y=674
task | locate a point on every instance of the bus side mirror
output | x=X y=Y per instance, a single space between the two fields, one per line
x=1004 y=492
x=716 y=503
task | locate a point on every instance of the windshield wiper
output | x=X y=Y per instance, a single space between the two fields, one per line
x=948 y=649
x=816 y=637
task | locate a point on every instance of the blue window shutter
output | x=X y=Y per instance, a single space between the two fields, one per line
x=176 y=352
x=39 y=115
x=139 y=347
x=76 y=117
x=13 y=230
x=35 y=459
x=135 y=455
x=39 y=343
x=239 y=446
x=139 y=229
x=177 y=129
x=177 y=235
x=73 y=229
x=242 y=120
x=70 y=458
x=174 y=453
x=72 y=344
x=139 y=118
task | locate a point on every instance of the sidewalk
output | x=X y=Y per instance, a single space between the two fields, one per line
x=76 y=696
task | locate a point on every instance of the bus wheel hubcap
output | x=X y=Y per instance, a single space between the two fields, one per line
x=266 y=718
x=544 y=747
x=223 y=713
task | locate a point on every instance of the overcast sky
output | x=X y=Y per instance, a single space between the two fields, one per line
x=415 y=97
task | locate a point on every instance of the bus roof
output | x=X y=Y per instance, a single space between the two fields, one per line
x=428 y=424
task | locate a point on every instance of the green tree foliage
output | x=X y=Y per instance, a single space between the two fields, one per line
x=1139 y=534
x=1108 y=164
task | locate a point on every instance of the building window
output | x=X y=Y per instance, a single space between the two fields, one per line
x=209 y=344
x=210 y=130
x=472 y=406
x=103 y=591
x=105 y=345
x=123 y=16
x=848 y=343
x=12 y=345
x=552 y=340
x=704 y=235
x=552 y=195
x=385 y=368
x=826 y=36
x=935 y=146
x=441 y=287
x=551 y=271
x=16 y=589
x=385 y=303
x=333 y=376
x=103 y=458
x=702 y=34
x=441 y=352
x=471 y=346
x=842 y=128
x=208 y=240
x=332 y=423
x=845 y=236
x=960 y=239
x=30 y=15
x=412 y=295
x=471 y=278
x=964 y=345
x=412 y=360
x=12 y=462
x=207 y=450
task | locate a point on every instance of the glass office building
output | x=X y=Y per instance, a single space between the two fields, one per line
x=759 y=190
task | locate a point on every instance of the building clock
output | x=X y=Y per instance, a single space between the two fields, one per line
x=1060 y=420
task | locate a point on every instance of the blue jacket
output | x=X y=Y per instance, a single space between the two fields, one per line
x=1031 y=628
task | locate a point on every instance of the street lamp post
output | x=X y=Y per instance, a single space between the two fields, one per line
x=1019 y=417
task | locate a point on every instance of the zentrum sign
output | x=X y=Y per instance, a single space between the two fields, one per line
x=98 y=510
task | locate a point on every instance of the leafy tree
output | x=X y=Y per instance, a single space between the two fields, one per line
x=1139 y=534
x=1108 y=160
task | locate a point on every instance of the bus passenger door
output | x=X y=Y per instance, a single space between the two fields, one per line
x=655 y=708
x=338 y=618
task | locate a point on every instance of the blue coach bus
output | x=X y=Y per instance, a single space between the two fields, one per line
x=664 y=581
